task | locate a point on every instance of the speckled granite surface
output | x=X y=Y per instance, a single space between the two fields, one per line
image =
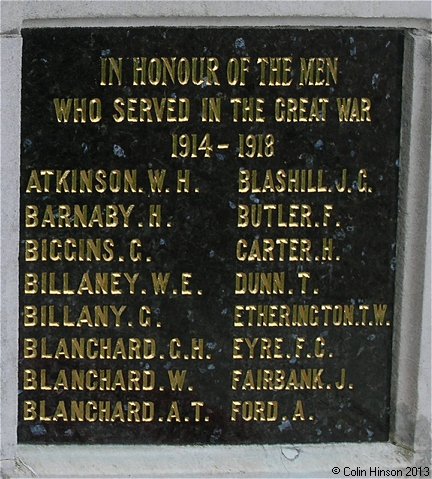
x=203 y=237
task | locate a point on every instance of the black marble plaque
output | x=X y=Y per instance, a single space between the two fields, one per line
x=208 y=221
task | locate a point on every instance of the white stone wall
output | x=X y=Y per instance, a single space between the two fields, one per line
x=411 y=388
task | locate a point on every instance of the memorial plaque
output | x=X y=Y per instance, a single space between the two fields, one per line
x=208 y=224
